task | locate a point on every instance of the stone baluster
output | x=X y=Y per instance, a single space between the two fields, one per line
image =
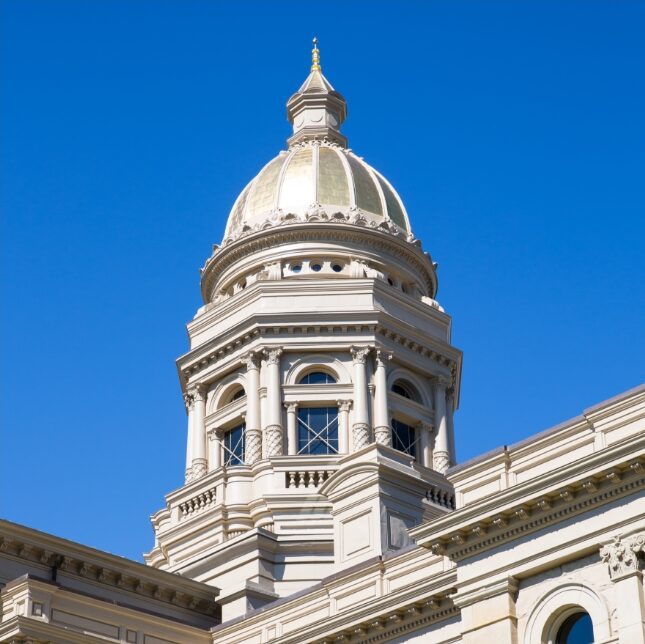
x=425 y=444
x=199 y=465
x=274 y=408
x=441 y=454
x=360 y=428
x=253 y=432
x=292 y=428
x=382 y=429
x=343 y=426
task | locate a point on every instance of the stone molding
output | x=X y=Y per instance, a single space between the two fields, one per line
x=486 y=527
x=623 y=556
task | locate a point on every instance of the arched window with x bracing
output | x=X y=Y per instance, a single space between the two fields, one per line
x=234 y=445
x=404 y=438
x=318 y=430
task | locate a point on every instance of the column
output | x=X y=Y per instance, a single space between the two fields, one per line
x=382 y=429
x=622 y=557
x=450 y=404
x=360 y=428
x=214 y=449
x=292 y=428
x=343 y=426
x=274 y=407
x=441 y=454
x=425 y=444
x=200 y=464
x=253 y=432
x=189 y=401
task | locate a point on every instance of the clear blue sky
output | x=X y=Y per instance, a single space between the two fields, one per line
x=514 y=132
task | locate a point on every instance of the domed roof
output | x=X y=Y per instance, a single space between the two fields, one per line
x=316 y=175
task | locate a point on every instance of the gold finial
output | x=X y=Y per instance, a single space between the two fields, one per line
x=315 y=57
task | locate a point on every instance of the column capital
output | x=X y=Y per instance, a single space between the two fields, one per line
x=215 y=434
x=291 y=407
x=622 y=555
x=344 y=405
x=382 y=356
x=423 y=426
x=359 y=354
x=443 y=381
x=250 y=360
x=273 y=355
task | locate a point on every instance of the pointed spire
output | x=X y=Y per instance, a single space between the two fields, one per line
x=315 y=57
x=316 y=110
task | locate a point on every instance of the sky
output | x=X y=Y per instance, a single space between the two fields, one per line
x=513 y=131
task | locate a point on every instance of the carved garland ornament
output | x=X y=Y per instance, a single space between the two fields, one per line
x=623 y=555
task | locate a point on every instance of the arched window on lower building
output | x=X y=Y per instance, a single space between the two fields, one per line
x=318 y=430
x=317 y=378
x=576 y=629
x=404 y=437
x=234 y=445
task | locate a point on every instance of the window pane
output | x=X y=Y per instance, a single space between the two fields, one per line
x=404 y=438
x=576 y=629
x=234 y=445
x=318 y=430
x=317 y=378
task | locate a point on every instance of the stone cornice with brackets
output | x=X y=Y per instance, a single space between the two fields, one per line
x=611 y=473
x=411 y=591
x=333 y=229
x=102 y=568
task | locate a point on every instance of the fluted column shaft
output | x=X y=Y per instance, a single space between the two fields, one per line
x=292 y=428
x=441 y=454
x=382 y=429
x=253 y=437
x=274 y=408
x=360 y=428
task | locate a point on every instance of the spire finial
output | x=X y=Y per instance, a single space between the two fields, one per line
x=315 y=57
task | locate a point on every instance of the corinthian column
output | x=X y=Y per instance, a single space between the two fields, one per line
x=274 y=410
x=360 y=428
x=343 y=426
x=382 y=429
x=253 y=436
x=199 y=465
x=441 y=454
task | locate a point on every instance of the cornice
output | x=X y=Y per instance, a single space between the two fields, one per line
x=540 y=502
x=103 y=568
x=333 y=228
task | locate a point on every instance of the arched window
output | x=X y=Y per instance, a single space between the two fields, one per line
x=240 y=393
x=317 y=378
x=407 y=390
x=318 y=430
x=404 y=438
x=576 y=629
x=234 y=445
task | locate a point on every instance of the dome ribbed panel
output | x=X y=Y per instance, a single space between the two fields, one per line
x=263 y=195
x=298 y=190
x=235 y=220
x=333 y=187
x=367 y=196
x=394 y=209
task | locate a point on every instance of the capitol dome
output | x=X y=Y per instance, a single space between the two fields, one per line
x=318 y=173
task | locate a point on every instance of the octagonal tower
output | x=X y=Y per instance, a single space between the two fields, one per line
x=320 y=382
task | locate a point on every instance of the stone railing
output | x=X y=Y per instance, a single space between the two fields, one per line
x=197 y=503
x=303 y=479
x=441 y=496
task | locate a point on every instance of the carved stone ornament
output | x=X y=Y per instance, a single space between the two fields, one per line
x=441 y=461
x=291 y=407
x=344 y=405
x=443 y=382
x=383 y=436
x=623 y=555
x=253 y=448
x=382 y=356
x=250 y=360
x=199 y=468
x=274 y=440
x=273 y=356
x=359 y=354
x=189 y=401
x=361 y=435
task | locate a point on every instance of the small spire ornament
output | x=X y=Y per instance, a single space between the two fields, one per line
x=315 y=57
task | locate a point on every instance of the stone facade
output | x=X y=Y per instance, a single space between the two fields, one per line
x=322 y=500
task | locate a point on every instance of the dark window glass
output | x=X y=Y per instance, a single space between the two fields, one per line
x=337 y=268
x=406 y=390
x=404 y=438
x=576 y=629
x=402 y=391
x=234 y=445
x=316 y=267
x=317 y=378
x=318 y=430
x=240 y=393
x=297 y=268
